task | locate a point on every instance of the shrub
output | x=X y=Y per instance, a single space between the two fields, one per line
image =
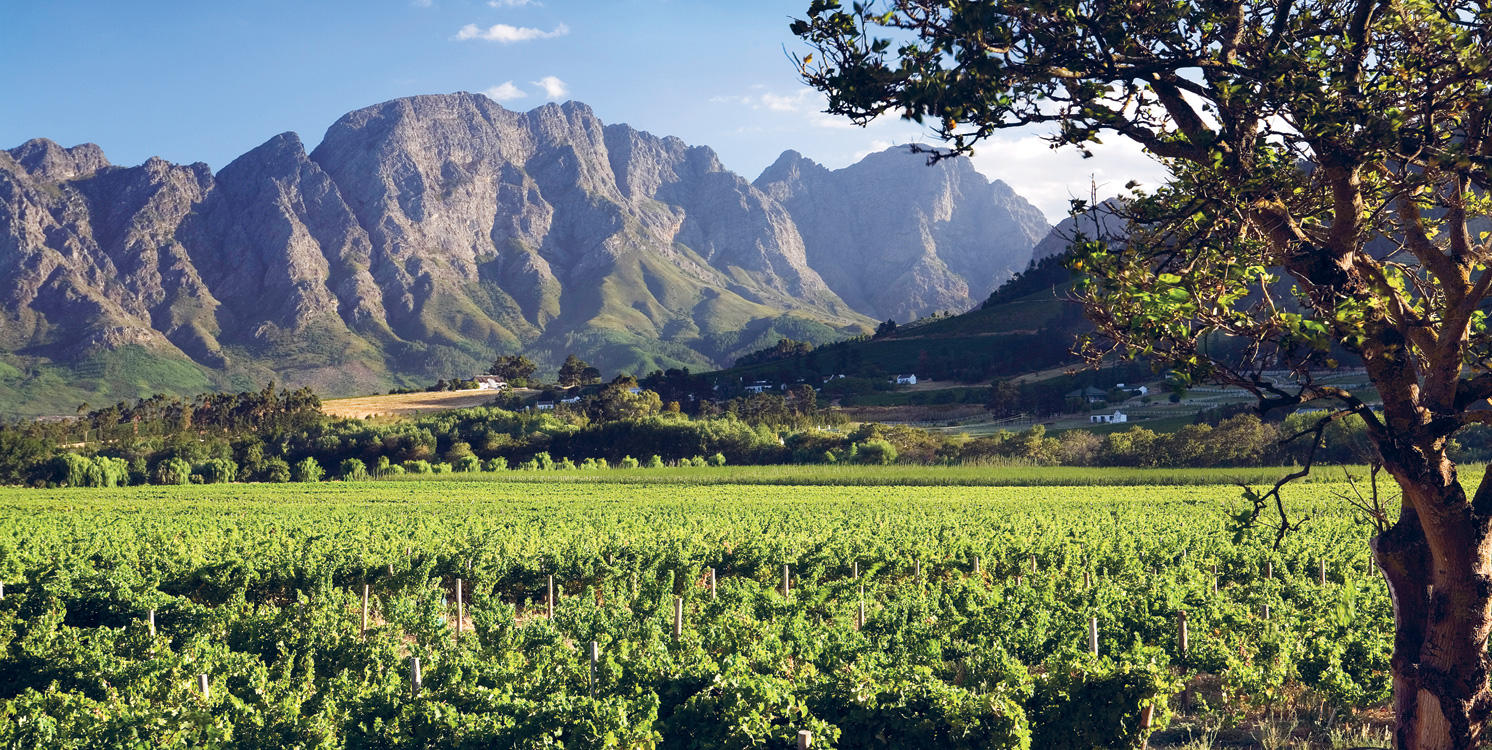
x=496 y=464
x=468 y=463
x=655 y=462
x=353 y=470
x=588 y=464
x=564 y=464
x=275 y=470
x=307 y=471
x=529 y=465
x=717 y=460
x=218 y=471
x=396 y=471
x=697 y=461
x=543 y=461
x=878 y=452
x=628 y=462
x=381 y=467
x=417 y=467
x=441 y=468
x=172 y=471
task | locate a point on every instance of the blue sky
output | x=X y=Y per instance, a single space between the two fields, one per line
x=207 y=81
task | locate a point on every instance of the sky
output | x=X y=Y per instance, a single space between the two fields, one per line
x=207 y=81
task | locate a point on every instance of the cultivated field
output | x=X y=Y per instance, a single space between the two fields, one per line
x=915 y=616
x=405 y=404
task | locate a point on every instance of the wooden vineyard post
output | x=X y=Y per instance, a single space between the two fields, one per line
x=391 y=569
x=1020 y=581
x=204 y=687
x=860 y=617
x=550 y=597
x=855 y=570
x=1323 y=571
x=1033 y=564
x=805 y=739
x=1268 y=570
x=1087 y=579
x=712 y=584
x=364 y=631
x=787 y=583
x=415 y=680
x=1147 y=716
x=1372 y=565
x=150 y=619
x=976 y=566
x=2 y=591
x=595 y=659
x=460 y=610
x=1183 y=641
x=1093 y=635
x=1266 y=611
x=678 y=618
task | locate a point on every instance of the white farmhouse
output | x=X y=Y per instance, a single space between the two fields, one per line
x=1117 y=417
x=490 y=383
x=759 y=386
x=906 y=380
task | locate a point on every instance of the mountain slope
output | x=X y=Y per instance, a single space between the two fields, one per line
x=897 y=238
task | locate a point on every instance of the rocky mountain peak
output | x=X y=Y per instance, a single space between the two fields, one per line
x=49 y=162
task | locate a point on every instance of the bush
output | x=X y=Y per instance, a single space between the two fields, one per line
x=218 y=471
x=354 y=470
x=172 y=471
x=441 y=468
x=588 y=464
x=468 y=463
x=275 y=470
x=382 y=467
x=529 y=465
x=564 y=464
x=543 y=461
x=628 y=462
x=417 y=467
x=655 y=462
x=495 y=464
x=717 y=460
x=396 y=471
x=697 y=461
x=875 y=452
x=307 y=471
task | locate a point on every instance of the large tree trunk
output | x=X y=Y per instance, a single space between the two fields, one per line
x=1435 y=559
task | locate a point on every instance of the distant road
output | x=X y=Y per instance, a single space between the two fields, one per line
x=405 y=404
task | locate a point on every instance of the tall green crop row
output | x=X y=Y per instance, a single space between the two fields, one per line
x=259 y=588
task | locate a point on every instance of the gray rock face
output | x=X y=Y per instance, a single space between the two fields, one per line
x=895 y=238
x=1102 y=221
x=425 y=235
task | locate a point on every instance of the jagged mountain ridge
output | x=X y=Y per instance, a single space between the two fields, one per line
x=898 y=238
x=420 y=238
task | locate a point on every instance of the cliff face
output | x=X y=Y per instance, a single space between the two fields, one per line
x=425 y=235
x=896 y=238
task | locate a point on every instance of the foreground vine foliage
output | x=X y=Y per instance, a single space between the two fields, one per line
x=259 y=588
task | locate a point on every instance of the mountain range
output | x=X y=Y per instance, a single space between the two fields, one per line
x=425 y=235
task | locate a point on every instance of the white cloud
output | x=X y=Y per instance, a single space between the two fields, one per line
x=505 y=92
x=1050 y=178
x=421 y=3
x=512 y=3
x=505 y=34
x=553 y=87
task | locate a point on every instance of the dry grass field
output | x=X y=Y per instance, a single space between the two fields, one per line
x=404 y=404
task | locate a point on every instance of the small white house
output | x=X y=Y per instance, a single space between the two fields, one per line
x=490 y=383
x=1117 y=417
x=759 y=386
x=544 y=405
x=906 y=380
x=570 y=400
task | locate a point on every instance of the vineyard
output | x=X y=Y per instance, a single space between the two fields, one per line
x=927 y=617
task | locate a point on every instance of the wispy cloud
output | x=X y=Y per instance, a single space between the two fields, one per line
x=505 y=34
x=513 y=3
x=505 y=92
x=422 y=3
x=553 y=87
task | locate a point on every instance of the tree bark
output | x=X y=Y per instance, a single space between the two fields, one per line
x=1436 y=563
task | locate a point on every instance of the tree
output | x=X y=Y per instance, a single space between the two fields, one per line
x=514 y=368
x=307 y=471
x=1328 y=162
x=885 y=329
x=576 y=372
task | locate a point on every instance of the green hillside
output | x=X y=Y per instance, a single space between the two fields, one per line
x=1026 y=334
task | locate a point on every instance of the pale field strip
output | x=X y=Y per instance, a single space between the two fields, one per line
x=405 y=404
